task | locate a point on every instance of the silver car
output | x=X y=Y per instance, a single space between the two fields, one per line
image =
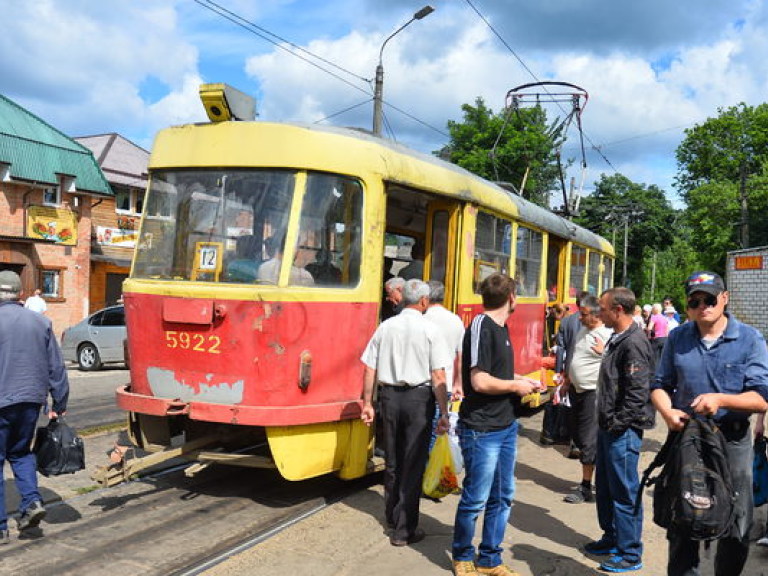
x=96 y=339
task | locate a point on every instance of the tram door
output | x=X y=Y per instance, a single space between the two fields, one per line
x=442 y=244
x=556 y=265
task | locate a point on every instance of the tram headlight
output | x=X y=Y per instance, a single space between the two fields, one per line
x=222 y=103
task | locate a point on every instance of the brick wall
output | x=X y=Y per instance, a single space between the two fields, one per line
x=72 y=261
x=748 y=289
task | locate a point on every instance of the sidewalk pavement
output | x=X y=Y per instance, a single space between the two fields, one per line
x=544 y=538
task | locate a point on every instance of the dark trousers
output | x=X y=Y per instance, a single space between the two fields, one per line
x=732 y=552
x=406 y=415
x=17 y=427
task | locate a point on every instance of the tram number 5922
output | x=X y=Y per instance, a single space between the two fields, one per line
x=194 y=342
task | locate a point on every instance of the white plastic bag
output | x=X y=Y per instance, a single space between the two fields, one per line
x=453 y=438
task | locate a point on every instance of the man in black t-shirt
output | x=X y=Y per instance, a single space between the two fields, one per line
x=488 y=431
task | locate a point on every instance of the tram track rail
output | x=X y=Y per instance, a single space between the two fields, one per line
x=168 y=523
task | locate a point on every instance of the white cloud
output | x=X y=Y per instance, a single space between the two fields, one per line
x=132 y=66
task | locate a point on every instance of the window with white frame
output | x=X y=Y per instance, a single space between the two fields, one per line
x=52 y=196
x=128 y=200
x=51 y=283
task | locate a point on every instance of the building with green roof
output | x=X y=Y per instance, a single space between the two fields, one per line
x=48 y=185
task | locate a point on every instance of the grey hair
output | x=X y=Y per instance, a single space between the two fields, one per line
x=395 y=283
x=591 y=303
x=414 y=291
x=436 y=292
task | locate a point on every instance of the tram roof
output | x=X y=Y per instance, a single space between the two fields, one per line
x=354 y=152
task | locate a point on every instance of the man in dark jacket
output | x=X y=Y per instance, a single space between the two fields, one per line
x=623 y=412
x=30 y=366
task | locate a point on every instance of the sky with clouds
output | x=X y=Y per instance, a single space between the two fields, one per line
x=651 y=68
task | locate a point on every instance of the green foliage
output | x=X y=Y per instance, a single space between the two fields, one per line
x=618 y=204
x=526 y=143
x=715 y=160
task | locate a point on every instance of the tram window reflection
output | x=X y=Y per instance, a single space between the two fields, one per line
x=492 y=247
x=528 y=261
x=329 y=230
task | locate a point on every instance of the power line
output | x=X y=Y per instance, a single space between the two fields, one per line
x=267 y=35
x=340 y=112
x=270 y=37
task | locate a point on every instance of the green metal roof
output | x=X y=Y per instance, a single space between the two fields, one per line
x=37 y=152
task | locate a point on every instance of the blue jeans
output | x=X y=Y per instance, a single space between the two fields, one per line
x=616 y=486
x=489 y=483
x=17 y=427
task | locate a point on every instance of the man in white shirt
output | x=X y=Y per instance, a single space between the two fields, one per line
x=269 y=271
x=407 y=358
x=581 y=382
x=36 y=303
x=452 y=330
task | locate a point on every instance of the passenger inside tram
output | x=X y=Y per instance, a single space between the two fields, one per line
x=245 y=265
x=269 y=271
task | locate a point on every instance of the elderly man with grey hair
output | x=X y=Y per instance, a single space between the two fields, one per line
x=406 y=358
x=31 y=365
x=393 y=297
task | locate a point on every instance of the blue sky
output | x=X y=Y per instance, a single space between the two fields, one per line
x=651 y=68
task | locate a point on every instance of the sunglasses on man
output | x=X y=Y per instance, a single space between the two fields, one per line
x=709 y=300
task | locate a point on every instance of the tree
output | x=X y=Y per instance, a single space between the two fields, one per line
x=722 y=177
x=525 y=148
x=619 y=206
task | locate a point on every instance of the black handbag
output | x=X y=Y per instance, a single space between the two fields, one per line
x=58 y=448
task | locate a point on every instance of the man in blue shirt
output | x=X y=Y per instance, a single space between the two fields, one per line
x=714 y=366
x=31 y=366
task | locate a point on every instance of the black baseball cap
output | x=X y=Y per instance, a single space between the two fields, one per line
x=708 y=282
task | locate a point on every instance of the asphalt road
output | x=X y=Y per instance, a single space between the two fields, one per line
x=92 y=396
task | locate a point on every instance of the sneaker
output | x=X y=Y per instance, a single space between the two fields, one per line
x=763 y=541
x=601 y=547
x=618 y=564
x=464 y=568
x=579 y=495
x=32 y=516
x=5 y=537
x=500 y=570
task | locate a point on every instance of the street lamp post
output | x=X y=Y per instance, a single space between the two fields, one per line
x=379 y=85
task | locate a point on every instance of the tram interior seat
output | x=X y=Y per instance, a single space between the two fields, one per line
x=323 y=270
x=245 y=266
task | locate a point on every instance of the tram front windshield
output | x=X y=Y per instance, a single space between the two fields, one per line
x=231 y=226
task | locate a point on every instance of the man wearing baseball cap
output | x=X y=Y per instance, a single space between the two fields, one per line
x=714 y=366
x=31 y=365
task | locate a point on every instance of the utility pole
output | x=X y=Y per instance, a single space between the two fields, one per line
x=626 y=243
x=744 y=228
x=378 y=90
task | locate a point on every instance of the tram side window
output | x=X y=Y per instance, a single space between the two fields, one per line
x=329 y=230
x=593 y=274
x=578 y=269
x=607 y=274
x=528 y=261
x=492 y=247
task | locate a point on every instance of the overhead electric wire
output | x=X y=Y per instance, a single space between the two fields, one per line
x=347 y=109
x=265 y=35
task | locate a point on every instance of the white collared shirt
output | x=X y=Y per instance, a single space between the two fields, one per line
x=405 y=349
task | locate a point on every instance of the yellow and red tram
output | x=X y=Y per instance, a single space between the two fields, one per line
x=257 y=282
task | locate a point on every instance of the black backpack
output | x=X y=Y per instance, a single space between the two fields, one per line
x=693 y=494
